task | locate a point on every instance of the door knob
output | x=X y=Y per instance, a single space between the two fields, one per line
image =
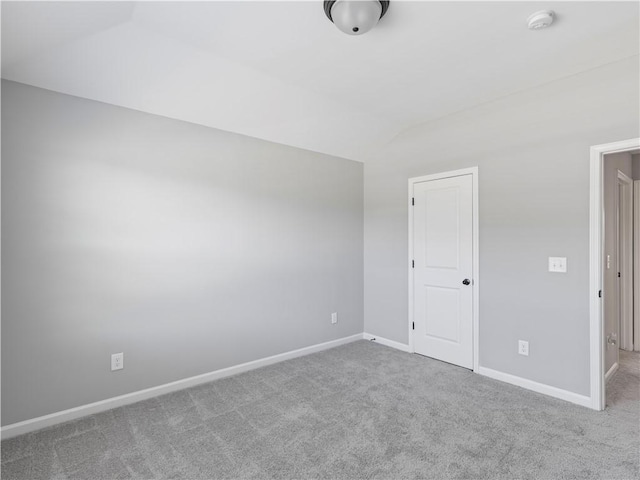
x=466 y=281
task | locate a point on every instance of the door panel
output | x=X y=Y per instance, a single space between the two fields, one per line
x=441 y=306
x=443 y=250
x=442 y=224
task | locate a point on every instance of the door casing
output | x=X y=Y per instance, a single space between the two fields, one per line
x=596 y=242
x=625 y=256
x=636 y=265
x=473 y=171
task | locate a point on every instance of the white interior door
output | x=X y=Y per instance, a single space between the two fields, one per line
x=443 y=269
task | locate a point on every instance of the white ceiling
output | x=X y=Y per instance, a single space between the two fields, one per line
x=282 y=72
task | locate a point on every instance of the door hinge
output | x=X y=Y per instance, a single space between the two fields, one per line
x=413 y=201
x=413 y=325
x=599 y=293
x=413 y=264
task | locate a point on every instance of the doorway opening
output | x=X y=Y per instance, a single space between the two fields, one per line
x=614 y=261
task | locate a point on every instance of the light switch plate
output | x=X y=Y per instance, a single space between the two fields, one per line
x=558 y=264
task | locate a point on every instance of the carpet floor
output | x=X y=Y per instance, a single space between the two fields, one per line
x=357 y=411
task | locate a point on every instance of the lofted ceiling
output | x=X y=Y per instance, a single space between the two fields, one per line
x=281 y=71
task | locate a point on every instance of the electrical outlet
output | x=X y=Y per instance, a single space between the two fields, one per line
x=117 y=361
x=523 y=347
x=334 y=317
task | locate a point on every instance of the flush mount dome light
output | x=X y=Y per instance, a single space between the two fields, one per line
x=355 y=17
x=540 y=20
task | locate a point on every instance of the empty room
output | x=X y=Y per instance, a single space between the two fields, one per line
x=345 y=239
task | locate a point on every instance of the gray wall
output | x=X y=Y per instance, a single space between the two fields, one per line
x=187 y=248
x=532 y=149
x=635 y=163
x=612 y=164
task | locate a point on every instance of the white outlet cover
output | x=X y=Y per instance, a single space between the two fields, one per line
x=523 y=347
x=558 y=264
x=117 y=361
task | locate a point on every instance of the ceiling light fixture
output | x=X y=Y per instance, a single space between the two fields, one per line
x=540 y=20
x=355 y=17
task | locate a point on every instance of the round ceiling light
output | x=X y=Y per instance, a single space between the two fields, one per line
x=355 y=17
x=540 y=20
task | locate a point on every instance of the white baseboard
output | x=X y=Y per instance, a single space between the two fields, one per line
x=129 y=398
x=612 y=370
x=33 y=424
x=384 y=341
x=504 y=377
x=572 y=397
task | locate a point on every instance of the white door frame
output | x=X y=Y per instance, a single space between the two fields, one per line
x=473 y=171
x=636 y=265
x=596 y=241
x=625 y=258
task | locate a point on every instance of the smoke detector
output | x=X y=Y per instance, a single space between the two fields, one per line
x=540 y=20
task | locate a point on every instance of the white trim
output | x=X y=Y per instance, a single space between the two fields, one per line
x=410 y=266
x=403 y=347
x=566 y=395
x=473 y=171
x=596 y=327
x=612 y=370
x=27 y=426
x=476 y=273
x=441 y=175
x=636 y=267
x=625 y=260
